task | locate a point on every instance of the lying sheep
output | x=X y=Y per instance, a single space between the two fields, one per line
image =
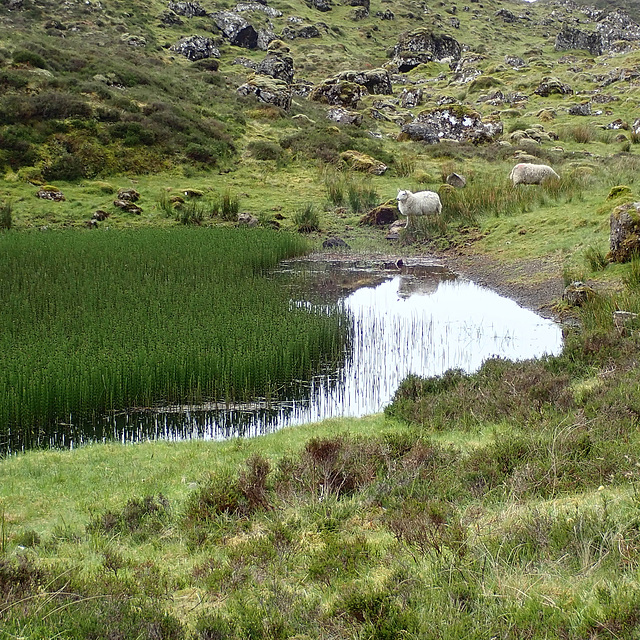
x=422 y=203
x=524 y=173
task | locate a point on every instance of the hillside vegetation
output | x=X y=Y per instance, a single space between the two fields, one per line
x=500 y=504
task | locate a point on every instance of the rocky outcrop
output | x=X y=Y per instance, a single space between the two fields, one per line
x=572 y=38
x=236 y=29
x=320 y=5
x=49 y=192
x=256 y=6
x=422 y=46
x=381 y=215
x=196 y=48
x=456 y=180
x=268 y=90
x=455 y=123
x=582 y=109
x=187 y=9
x=624 y=232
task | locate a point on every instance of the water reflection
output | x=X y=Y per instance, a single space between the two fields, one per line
x=420 y=320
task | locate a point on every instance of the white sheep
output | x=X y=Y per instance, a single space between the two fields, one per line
x=525 y=173
x=422 y=203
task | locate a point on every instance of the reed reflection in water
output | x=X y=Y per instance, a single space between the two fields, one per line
x=404 y=324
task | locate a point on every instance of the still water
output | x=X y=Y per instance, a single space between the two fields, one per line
x=421 y=320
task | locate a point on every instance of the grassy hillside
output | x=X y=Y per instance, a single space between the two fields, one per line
x=501 y=504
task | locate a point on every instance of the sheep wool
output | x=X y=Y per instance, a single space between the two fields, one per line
x=422 y=203
x=525 y=173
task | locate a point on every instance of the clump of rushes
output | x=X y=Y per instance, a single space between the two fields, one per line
x=307 y=219
x=229 y=206
x=93 y=323
x=6 y=215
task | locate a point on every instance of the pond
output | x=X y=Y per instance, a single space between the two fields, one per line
x=419 y=319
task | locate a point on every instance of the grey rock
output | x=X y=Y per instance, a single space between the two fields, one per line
x=515 y=61
x=582 y=109
x=410 y=98
x=187 y=9
x=624 y=232
x=385 y=15
x=422 y=46
x=550 y=86
x=339 y=93
x=506 y=15
x=320 y=5
x=51 y=194
x=462 y=125
x=344 y=116
x=256 y=6
x=236 y=29
x=376 y=81
x=130 y=195
x=196 y=48
x=247 y=220
x=268 y=90
x=311 y=31
x=572 y=38
x=456 y=180
x=277 y=65
x=170 y=18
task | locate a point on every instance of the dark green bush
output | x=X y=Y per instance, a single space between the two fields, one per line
x=265 y=150
x=56 y=104
x=12 y=79
x=132 y=133
x=21 y=56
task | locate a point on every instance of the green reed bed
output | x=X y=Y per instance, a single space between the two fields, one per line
x=93 y=322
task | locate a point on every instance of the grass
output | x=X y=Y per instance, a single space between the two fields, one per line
x=151 y=328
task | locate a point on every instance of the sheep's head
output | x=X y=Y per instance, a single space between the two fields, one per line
x=403 y=194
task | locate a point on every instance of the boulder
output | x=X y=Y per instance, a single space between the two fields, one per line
x=456 y=180
x=381 y=215
x=256 y=6
x=311 y=31
x=268 y=90
x=376 y=81
x=236 y=29
x=340 y=93
x=99 y=215
x=422 y=46
x=344 y=116
x=506 y=15
x=320 y=5
x=624 y=232
x=454 y=122
x=515 y=62
x=410 y=98
x=278 y=65
x=582 y=109
x=128 y=206
x=359 y=161
x=572 y=38
x=170 y=18
x=187 y=9
x=196 y=48
x=385 y=15
x=550 y=86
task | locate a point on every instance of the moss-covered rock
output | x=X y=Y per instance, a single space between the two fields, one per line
x=362 y=162
x=624 y=234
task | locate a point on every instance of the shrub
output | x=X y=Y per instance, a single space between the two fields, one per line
x=307 y=219
x=265 y=150
x=21 y=56
x=57 y=104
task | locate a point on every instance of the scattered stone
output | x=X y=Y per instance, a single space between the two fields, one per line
x=411 y=98
x=247 y=220
x=395 y=229
x=268 y=90
x=577 y=293
x=256 y=6
x=515 y=61
x=236 y=29
x=385 y=15
x=344 y=116
x=48 y=192
x=196 y=48
x=376 y=81
x=456 y=180
x=187 y=9
x=624 y=233
x=381 y=215
x=192 y=193
x=550 y=86
x=506 y=15
x=170 y=18
x=128 y=194
x=582 y=109
x=335 y=243
x=128 y=206
x=99 y=215
x=310 y=31
x=397 y=264
x=133 y=40
x=320 y=5
x=91 y=224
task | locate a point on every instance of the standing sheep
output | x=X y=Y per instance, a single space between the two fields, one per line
x=422 y=203
x=524 y=173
